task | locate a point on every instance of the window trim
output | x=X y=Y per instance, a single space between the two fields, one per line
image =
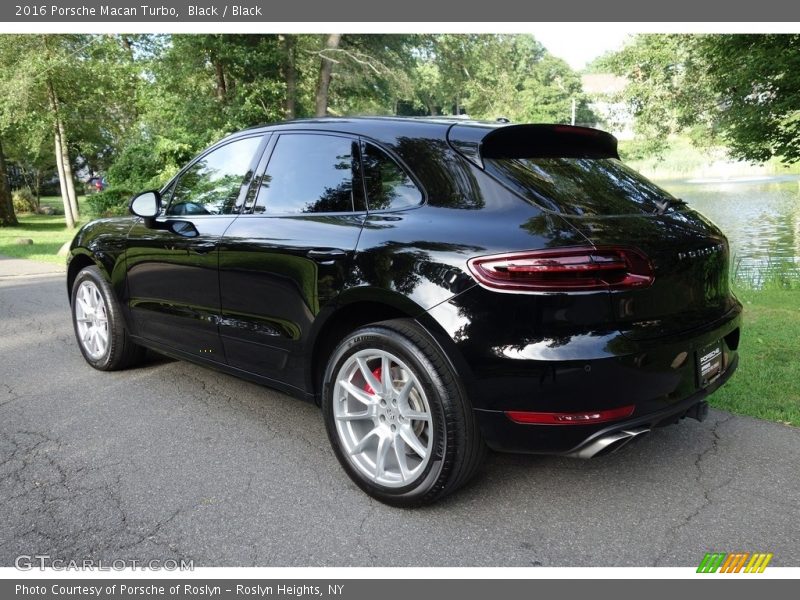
x=266 y=159
x=254 y=162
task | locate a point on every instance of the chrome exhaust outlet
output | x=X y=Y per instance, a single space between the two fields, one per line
x=609 y=443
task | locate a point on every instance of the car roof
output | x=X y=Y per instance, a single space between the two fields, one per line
x=473 y=139
x=383 y=129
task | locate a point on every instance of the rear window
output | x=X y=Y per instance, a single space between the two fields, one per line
x=579 y=186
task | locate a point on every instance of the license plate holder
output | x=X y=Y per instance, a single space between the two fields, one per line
x=709 y=363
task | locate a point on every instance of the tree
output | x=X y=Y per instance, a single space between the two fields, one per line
x=491 y=76
x=739 y=90
x=72 y=89
x=325 y=72
x=755 y=82
x=666 y=90
x=7 y=216
x=138 y=107
x=290 y=75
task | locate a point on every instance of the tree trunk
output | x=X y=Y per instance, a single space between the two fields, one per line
x=7 y=216
x=325 y=71
x=290 y=75
x=62 y=182
x=65 y=180
x=219 y=71
x=73 y=198
x=37 y=186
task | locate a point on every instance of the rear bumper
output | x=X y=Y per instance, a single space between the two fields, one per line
x=504 y=435
x=662 y=395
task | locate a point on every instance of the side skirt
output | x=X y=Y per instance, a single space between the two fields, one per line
x=291 y=390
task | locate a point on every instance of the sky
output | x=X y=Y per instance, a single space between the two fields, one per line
x=578 y=50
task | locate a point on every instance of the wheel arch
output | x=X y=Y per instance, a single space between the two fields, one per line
x=80 y=259
x=359 y=311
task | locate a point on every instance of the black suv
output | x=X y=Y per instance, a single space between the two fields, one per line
x=436 y=286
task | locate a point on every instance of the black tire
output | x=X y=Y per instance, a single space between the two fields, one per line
x=458 y=448
x=120 y=352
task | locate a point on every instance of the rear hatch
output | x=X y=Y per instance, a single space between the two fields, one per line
x=691 y=260
x=576 y=173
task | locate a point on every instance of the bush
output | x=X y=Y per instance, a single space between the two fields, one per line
x=109 y=203
x=24 y=200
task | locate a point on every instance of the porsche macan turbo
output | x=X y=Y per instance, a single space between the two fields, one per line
x=436 y=286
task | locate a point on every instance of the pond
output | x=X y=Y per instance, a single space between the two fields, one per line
x=760 y=216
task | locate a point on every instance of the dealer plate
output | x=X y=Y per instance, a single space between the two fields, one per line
x=709 y=363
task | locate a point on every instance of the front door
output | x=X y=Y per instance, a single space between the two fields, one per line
x=172 y=268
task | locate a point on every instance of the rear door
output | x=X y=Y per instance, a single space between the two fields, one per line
x=287 y=258
x=173 y=282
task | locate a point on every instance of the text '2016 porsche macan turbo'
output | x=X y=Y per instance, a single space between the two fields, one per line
x=436 y=286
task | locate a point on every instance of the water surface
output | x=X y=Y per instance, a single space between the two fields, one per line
x=760 y=216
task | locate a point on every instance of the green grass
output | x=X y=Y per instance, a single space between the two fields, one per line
x=48 y=234
x=683 y=160
x=767 y=383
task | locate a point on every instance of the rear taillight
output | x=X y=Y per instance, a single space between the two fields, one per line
x=573 y=269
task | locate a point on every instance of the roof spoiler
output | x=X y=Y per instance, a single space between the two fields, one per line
x=531 y=141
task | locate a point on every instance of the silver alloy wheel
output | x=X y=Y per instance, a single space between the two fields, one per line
x=91 y=316
x=383 y=418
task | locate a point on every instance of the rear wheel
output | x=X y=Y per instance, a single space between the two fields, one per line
x=397 y=417
x=99 y=326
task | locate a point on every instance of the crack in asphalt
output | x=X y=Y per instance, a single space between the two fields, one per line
x=700 y=481
x=363 y=540
x=9 y=396
x=59 y=509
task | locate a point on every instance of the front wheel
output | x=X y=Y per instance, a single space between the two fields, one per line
x=99 y=325
x=397 y=416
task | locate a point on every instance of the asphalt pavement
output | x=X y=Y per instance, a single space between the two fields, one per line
x=172 y=460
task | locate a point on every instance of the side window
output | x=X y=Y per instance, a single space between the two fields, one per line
x=212 y=185
x=311 y=174
x=389 y=187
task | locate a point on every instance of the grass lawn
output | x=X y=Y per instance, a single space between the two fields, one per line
x=767 y=383
x=48 y=233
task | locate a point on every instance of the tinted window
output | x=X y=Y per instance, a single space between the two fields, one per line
x=311 y=174
x=388 y=186
x=580 y=186
x=211 y=186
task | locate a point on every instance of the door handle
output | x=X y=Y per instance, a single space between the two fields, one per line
x=326 y=257
x=203 y=247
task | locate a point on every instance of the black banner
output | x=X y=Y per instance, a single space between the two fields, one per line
x=369 y=589
x=261 y=11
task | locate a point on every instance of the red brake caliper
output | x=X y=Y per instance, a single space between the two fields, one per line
x=376 y=373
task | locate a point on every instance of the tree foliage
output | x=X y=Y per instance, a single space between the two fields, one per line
x=738 y=90
x=137 y=107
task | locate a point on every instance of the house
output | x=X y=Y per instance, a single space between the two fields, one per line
x=604 y=91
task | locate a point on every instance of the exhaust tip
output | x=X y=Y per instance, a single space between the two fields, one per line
x=610 y=443
x=612 y=447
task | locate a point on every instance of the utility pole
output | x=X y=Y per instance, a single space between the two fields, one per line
x=573 y=110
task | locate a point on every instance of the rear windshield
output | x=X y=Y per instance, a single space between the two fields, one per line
x=579 y=186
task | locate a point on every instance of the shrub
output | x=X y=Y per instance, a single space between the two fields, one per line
x=24 y=200
x=109 y=203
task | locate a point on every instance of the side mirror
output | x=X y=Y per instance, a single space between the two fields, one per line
x=146 y=205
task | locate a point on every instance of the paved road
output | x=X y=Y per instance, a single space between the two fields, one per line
x=172 y=460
